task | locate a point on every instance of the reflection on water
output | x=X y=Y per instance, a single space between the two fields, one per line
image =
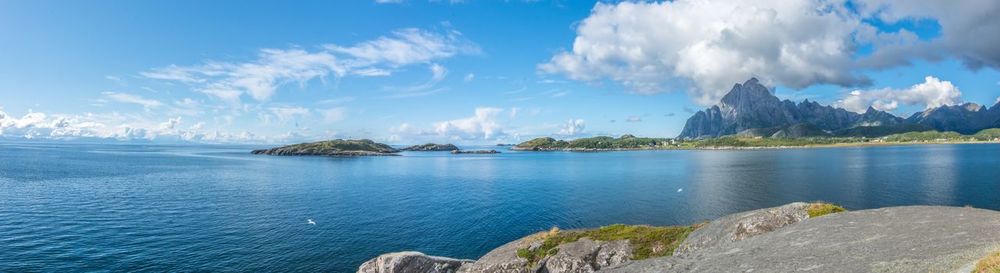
x=188 y=208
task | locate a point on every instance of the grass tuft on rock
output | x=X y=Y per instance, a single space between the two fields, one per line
x=989 y=264
x=647 y=241
x=820 y=208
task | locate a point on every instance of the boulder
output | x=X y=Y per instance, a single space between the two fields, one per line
x=739 y=226
x=585 y=256
x=504 y=259
x=411 y=262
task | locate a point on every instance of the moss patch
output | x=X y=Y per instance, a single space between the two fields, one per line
x=819 y=209
x=647 y=241
x=989 y=264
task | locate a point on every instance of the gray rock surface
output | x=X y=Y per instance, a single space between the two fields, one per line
x=739 y=226
x=411 y=262
x=967 y=118
x=503 y=259
x=585 y=256
x=898 y=239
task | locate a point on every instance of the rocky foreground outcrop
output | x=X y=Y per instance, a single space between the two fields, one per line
x=796 y=237
x=410 y=261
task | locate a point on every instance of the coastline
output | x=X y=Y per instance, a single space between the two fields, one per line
x=835 y=145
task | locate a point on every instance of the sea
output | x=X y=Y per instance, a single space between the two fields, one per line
x=71 y=207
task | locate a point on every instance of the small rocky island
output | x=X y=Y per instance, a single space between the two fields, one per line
x=475 y=152
x=813 y=237
x=337 y=147
x=431 y=147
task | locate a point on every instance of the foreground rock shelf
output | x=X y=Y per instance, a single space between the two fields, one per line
x=791 y=238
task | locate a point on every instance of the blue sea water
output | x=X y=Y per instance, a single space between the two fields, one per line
x=77 y=207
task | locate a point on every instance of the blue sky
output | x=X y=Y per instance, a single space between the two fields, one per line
x=466 y=71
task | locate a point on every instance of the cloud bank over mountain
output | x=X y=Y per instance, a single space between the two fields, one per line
x=653 y=47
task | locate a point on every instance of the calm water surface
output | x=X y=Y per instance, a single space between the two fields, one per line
x=210 y=208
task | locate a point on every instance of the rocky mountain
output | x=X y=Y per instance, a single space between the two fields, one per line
x=750 y=109
x=967 y=118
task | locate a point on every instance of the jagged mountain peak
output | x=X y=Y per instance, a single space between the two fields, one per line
x=972 y=107
x=749 y=91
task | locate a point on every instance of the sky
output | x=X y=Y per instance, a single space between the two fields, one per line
x=467 y=72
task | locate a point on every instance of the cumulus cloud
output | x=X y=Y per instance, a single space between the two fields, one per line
x=37 y=125
x=932 y=93
x=487 y=123
x=483 y=125
x=573 y=127
x=713 y=44
x=273 y=68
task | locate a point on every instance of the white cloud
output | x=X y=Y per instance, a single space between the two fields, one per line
x=932 y=93
x=198 y=126
x=486 y=124
x=289 y=113
x=115 y=126
x=469 y=77
x=712 y=44
x=573 y=127
x=406 y=46
x=388 y=1
x=273 y=68
x=170 y=124
x=133 y=99
x=335 y=114
x=483 y=125
x=633 y=119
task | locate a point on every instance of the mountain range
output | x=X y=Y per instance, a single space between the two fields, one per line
x=751 y=109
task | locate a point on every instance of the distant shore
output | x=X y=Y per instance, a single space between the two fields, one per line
x=808 y=146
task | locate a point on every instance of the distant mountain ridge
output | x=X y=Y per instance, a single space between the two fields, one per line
x=750 y=109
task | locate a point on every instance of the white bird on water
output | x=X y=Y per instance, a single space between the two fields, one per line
x=680 y=189
x=310 y=221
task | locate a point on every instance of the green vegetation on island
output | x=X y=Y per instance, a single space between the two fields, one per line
x=625 y=142
x=431 y=147
x=629 y=142
x=337 y=147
